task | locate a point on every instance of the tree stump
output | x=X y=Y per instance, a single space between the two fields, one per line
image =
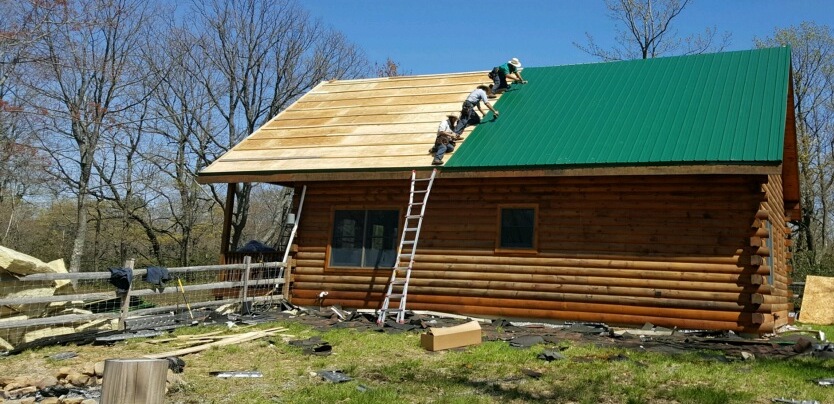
x=134 y=381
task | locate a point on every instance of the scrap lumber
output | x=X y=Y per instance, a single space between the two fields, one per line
x=232 y=339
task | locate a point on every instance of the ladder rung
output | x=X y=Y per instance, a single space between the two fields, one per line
x=417 y=203
x=399 y=282
x=421 y=192
x=408 y=242
x=413 y=216
x=395 y=310
x=412 y=228
x=422 y=179
x=396 y=296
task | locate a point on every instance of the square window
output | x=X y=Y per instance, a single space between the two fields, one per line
x=364 y=238
x=518 y=226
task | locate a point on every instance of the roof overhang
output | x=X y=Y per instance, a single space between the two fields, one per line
x=790 y=165
x=692 y=169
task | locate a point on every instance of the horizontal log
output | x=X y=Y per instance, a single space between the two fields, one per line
x=337 y=297
x=618 y=185
x=542 y=295
x=760 y=232
x=436 y=286
x=714 y=315
x=572 y=280
x=452 y=255
x=488 y=257
x=446 y=190
x=455 y=254
x=690 y=273
x=320 y=219
x=649 y=205
x=756 y=260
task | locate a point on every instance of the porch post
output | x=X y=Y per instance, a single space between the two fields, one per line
x=227 y=221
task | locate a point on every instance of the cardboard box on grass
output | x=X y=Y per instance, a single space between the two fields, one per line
x=437 y=339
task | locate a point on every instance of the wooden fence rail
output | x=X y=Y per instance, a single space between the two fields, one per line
x=247 y=268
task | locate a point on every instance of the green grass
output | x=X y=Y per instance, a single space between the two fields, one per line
x=392 y=368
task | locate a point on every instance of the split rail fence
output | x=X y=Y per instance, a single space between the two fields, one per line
x=94 y=298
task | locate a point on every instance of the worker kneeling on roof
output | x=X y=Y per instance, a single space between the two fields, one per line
x=499 y=75
x=468 y=116
x=445 y=141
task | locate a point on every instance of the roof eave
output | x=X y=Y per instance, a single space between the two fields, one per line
x=765 y=168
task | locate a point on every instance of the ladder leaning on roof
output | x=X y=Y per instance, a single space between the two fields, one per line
x=411 y=233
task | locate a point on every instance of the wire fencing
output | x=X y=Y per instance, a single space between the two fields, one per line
x=50 y=304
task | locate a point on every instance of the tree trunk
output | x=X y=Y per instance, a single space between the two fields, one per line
x=80 y=233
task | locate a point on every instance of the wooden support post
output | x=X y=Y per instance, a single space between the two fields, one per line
x=134 y=381
x=244 y=304
x=286 y=286
x=227 y=221
x=126 y=297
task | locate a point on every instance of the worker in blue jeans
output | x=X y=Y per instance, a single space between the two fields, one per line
x=445 y=141
x=468 y=116
x=499 y=75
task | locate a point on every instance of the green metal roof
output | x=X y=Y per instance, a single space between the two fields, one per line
x=722 y=108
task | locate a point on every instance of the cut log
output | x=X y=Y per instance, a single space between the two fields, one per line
x=134 y=381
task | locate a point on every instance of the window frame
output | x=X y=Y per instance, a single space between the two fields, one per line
x=358 y=270
x=498 y=229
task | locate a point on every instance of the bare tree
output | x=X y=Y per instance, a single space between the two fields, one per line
x=83 y=88
x=812 y=60
x=390 y=69
x=645 y=30
x=22 y=167
x=181 y=124
x=255 y=58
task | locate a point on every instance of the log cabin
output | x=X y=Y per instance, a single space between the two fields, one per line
x=626 y=192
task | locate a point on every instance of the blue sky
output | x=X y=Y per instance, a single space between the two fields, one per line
x=443 y=36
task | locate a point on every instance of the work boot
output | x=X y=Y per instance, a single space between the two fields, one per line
x=432 y=150
x=437 y=162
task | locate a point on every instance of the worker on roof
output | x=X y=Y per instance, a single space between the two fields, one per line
x=468 y=116
x=499 y=75
x=445 y=141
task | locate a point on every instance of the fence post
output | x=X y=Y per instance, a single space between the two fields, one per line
x=126 y=297
x=247 y=260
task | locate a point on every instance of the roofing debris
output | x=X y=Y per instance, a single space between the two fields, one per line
x=230 y=374
x=716 y=346
x=334 y=376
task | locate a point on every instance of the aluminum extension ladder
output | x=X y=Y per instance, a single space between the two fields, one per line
x=398 y=283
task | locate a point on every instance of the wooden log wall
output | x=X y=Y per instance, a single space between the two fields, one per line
x=779 y=234
x=670 y=250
